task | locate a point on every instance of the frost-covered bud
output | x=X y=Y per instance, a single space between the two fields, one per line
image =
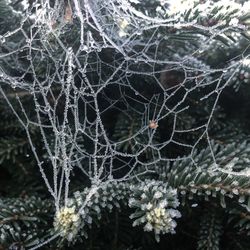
x=67 y=222
x=154 y=204
x=161 y=220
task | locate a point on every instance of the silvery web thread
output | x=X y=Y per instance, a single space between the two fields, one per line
x=90 y=12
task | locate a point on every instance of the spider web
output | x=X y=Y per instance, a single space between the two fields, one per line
x=89 y=63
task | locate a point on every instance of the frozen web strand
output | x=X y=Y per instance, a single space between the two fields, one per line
x=67 y=86
x=83 y=12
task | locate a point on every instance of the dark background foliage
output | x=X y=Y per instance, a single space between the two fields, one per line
x=211 y=219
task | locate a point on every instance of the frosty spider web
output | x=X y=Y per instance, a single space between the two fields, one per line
x=87 y=63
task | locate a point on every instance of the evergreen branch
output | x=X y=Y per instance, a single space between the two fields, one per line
x=198 y=176
x=210 y=230
x=23 y=220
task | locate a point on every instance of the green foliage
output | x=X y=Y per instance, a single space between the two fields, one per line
x=200 y=177
x=215 y=176
x=210 y=230
x=23 y=221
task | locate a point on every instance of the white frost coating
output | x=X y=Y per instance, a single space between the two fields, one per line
x=80 y=15
x=178 y=6
x=69 y=88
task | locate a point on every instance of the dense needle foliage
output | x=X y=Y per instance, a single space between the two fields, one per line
x=133 y=134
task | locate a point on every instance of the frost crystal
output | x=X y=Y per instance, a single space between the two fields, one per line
x=87 y=63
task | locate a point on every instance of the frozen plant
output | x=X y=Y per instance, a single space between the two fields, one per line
x=155 y=207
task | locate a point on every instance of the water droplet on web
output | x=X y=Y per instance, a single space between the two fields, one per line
x=2 y=39
x=83 y=47
x=47 y=109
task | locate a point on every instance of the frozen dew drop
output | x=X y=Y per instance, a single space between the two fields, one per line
x=47 y=108
x=2 y=39
x=83 y=47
